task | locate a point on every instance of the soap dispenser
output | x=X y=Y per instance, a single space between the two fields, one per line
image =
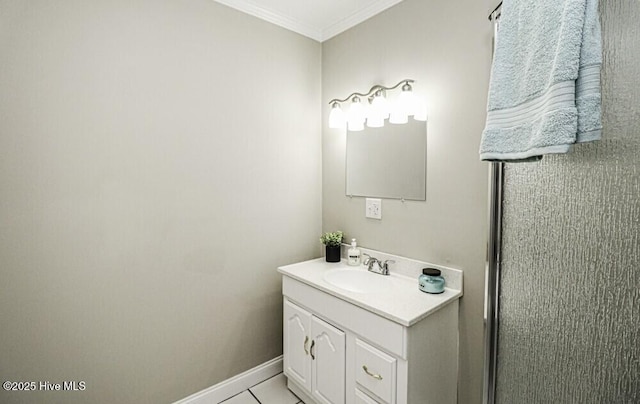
x=353 y=255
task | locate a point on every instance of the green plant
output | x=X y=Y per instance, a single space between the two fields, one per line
x=332 y=238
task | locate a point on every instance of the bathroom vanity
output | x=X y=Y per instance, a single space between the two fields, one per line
x=351 y=336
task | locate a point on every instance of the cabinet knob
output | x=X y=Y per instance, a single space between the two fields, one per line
x=374 y=375
x=313 y=343
x=306 y=341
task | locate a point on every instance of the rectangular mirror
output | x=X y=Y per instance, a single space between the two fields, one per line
x=388 y=162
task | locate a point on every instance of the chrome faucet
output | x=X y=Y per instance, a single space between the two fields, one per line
x=383 y=266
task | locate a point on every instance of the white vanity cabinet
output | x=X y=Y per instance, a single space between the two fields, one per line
x=340 y=351
x=314 y=354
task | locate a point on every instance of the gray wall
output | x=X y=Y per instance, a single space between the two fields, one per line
x=446 y=47
x=570 y=284
x=158 y=160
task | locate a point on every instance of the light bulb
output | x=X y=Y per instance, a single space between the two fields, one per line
x=356 y=115
x=407 y=100
x=356 y=111
x=398 y=114
x=380 y=105
x=375 y=122
x=355 y=126
x=337 y=118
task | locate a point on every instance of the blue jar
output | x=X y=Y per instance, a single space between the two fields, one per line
x=430 y=281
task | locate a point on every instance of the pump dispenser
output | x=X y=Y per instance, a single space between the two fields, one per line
x=353 y=255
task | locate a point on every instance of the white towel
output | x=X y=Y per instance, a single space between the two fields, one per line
x=544 y=94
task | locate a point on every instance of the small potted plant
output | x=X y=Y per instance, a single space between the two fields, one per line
x=332 y=242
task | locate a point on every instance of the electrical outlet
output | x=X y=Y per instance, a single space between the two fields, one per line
x=374 y=208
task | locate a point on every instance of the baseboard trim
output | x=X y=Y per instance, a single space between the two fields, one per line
x=235 y=385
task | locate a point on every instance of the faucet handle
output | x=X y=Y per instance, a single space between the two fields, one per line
x=386 y=262
x=366 y=261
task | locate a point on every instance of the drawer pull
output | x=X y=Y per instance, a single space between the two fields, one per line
x=374 y=375
x=306 y=341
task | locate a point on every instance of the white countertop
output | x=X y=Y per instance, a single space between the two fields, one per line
x=402 y=302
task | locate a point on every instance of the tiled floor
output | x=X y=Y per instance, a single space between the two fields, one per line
x=271 y=391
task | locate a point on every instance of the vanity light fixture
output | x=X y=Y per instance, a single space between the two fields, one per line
x=377 y=108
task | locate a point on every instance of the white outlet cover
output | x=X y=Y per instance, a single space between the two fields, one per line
x=374 y=208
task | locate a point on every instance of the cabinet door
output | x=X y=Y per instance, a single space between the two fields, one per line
x=297 y=342
x=328 y=363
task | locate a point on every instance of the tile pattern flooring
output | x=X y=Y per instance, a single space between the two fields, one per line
x=271 y=391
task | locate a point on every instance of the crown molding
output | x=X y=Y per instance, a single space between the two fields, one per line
x=274 y=18
x=356 y=18
x=316 y=33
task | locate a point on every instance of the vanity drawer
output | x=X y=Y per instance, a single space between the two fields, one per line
x=375 y=372
x=362 y=398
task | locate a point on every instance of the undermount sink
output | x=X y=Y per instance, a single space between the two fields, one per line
x=357 y=280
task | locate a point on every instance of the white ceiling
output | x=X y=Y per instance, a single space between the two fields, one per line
x=317 y=19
